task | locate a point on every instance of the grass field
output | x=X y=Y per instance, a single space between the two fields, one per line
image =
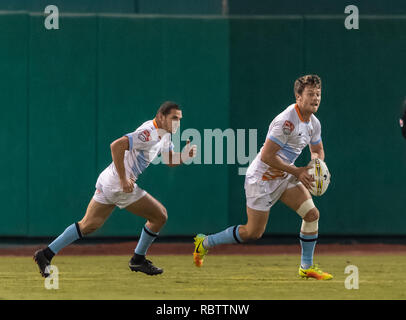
x=222 y=277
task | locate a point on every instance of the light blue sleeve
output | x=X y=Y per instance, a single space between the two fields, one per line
x=276 y=133
x=316 y=138
x=139 y=139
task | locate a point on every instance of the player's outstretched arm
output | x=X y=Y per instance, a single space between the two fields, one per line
x=269 y=156
x=317 y=151
x=173 y=159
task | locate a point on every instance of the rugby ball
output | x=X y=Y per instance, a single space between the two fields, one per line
x=321 y=176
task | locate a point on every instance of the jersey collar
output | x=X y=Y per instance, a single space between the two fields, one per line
x=155 y=124
x=156 y=127
x=299 y=114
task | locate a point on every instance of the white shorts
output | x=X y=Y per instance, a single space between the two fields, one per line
x=109 y=191
x=262 y=195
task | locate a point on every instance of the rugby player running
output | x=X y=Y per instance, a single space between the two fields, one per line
x=116 y=186
x=272 y=176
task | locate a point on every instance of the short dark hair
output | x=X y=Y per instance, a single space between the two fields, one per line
x=311 y=80
x=167 y=106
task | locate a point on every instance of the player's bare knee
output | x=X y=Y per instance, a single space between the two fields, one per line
x=161 y=218
x=312 y=215
x=164 y=215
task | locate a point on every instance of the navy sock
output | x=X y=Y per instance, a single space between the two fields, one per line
x=138 y=258
x=48 y=254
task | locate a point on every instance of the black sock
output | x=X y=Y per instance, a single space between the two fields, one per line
x=48 y=254
x=138 y=258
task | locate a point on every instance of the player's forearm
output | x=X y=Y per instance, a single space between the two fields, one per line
x=317 y=151
x=172 y=159
x=276 y=162
x=176 y=159
x=319 y=154
x=117 y=153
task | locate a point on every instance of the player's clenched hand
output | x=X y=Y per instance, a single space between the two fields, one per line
x=127 y=185
x=302 y=174
x=189 y=151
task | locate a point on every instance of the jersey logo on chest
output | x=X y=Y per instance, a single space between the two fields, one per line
x=144 y=136
x=288 y=127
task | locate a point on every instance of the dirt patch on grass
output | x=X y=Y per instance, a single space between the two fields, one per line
x=127 y=248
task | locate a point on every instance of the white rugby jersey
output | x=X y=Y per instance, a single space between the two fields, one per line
x=144 y=145
x=292 y=134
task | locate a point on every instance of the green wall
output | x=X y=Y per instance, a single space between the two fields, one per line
x=68 y=93
x=266 y=7
x=211 y=7
x=61 y=112
x=14 y=124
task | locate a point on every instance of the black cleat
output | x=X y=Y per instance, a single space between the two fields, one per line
x=42 y=263
x=145 y=266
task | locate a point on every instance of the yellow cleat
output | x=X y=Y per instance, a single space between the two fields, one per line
x=314 y=272
x=200 y=252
